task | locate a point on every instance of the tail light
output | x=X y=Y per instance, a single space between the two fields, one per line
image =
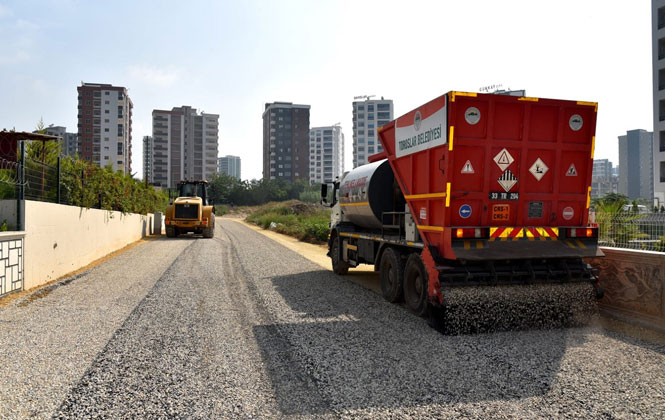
x=471 y=233
x=588 y=232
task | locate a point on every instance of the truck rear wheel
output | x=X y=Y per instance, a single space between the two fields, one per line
x=171 y=232
x=391 y=270
x=339 y=266
x=416 y=285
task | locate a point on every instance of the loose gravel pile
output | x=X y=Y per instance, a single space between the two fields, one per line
x=470 y=310
x=240 y=327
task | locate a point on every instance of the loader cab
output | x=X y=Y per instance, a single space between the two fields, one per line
x=194 y=189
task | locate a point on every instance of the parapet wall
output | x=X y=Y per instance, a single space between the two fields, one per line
x=60 y=239
x=634 y=283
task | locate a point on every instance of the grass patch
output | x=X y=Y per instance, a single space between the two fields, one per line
x=307 y=222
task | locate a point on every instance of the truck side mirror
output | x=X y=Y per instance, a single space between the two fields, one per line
x=327 y=194
x=324 y=193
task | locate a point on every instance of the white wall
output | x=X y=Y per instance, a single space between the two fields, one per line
x=60 y=239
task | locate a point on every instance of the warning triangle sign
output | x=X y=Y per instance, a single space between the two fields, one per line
x=572 y=171
x=468 y=168
x=503 y=159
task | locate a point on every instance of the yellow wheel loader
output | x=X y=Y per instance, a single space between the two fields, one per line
x=190 y=211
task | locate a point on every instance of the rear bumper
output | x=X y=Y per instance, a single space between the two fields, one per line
x=507 y=249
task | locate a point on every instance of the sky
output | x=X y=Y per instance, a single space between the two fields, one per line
x=232 y=57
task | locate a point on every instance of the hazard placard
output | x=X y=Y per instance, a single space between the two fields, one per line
x=538 y=169
x=467 y=168
x=503 y=159
x=507 y=180
x=572 y=171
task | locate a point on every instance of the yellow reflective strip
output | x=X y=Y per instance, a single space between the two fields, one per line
x=479 y=244
x=454 y=93
x=503 y=239
x=555 y=230
x=448 y=194
x=531 y=238
x=588 y=197
x=467 y=245
x=542 y=232
x=527 y=98
x=431 y=195
x=492 y=230
x=450 y=137
x=593 y=104
x=505 y=233
x=570 y=244
x=364 y=203
x=436 y=228
x=529 y=234
x=581 y=245
x=352 y=247
x=593 y=146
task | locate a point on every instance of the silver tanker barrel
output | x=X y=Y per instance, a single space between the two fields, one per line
x=366 y=192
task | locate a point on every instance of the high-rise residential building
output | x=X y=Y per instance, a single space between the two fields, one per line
x=603 y=180
x=326 y=154
x=184 y=145
x=68 y=141
x=636 y=162
x=658 y=73
x=105 y=125
x=147 y=159
x=368 y=116
x=286 y=141
x=229 y=165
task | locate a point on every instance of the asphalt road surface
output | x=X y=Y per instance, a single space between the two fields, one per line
x=241 y=327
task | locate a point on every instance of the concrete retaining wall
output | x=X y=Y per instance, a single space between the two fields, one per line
x=60 y=239
x=634 y=283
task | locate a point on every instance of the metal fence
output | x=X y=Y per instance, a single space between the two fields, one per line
x=626 y=229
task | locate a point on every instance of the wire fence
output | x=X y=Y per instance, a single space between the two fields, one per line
x=634 y=230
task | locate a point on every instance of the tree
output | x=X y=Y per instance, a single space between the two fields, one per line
x=43 y=151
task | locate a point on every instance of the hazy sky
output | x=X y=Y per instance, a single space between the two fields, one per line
x=230 y=58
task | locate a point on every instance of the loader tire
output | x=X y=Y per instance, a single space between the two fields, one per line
x=338 y=265
x=171 y=232
x=416 y=285
x=391 y=271
x=209 y=232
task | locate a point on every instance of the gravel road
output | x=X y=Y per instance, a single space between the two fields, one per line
x=241 y=327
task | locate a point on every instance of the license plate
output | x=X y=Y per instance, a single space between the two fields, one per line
x=500 y=212
x=504 y=196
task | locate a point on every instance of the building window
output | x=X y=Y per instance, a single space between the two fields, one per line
x=662 y=142
x=661 y=17
x=383 y=107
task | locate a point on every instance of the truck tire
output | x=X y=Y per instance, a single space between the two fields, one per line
x=391 y=271
x=416 y=285
x=171 y=232
x=338 y=265
x=209 y=232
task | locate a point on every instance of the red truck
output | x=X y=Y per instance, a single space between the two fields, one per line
x=471 y=190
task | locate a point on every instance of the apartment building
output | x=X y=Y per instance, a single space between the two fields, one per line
x=326 y=154
x=229 y=165
x=147 y=159
x=286 y=141
x=368 y=115
x=603 y=180
x=184 y=145
x=68 y=141
x=636 y=162
x=105 y=125
x=658 y=73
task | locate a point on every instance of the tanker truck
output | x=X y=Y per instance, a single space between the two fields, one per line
x=476 y=212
